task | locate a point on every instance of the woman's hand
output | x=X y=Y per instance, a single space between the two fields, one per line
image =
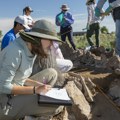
x=105 y=14
x=42 y=89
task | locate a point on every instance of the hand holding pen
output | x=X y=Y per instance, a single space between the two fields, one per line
x=42 y=89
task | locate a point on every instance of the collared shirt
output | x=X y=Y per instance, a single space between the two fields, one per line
x=68 y=19
x=9 y=37
x=16 y=62
x=91 y=14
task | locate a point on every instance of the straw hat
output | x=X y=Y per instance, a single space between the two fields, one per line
x=65 y=7
x=42 y=29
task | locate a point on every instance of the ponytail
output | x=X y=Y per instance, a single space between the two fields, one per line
x=24 y=11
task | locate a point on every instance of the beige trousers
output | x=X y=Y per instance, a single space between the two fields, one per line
x=23 y=105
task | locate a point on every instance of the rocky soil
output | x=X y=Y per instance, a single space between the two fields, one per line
x=93 y=85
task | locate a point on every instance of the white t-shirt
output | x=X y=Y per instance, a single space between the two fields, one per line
x=29 y=19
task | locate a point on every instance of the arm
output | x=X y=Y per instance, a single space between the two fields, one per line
x=89 y=17
x=68 y=18
x=30 y=89
x=109 y=9
x=99 y=7
x=57 y=22
x=6 y=40
x=57 y=51
x=8 y=70
x=30 y=82
x=12 y=60
x=107 y=12
x=102 y=16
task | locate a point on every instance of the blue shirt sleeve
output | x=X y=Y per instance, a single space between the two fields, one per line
x=68 y=18
x=6 y=40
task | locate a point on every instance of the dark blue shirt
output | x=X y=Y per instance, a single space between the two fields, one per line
x=67 y=17
x=9 y=37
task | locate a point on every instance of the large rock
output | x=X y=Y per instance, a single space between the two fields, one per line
x=114 y=89
x=81 y=107
x=113 y=63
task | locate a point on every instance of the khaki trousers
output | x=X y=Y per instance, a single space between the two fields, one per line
x=23 y=105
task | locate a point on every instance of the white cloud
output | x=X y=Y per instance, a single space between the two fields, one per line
x=79 y=15
x=109 y=23
x=80 y=23
x=6 y=24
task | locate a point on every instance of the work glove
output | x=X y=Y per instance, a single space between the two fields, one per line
x=97 y=12
x=108 y=10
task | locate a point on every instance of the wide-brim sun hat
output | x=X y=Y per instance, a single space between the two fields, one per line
x=28 y=38
x=44 y=29
x=65 y=7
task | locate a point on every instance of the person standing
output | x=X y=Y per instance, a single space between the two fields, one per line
x=20 y=23
x=93 y=24
x=64 y=19
x=26 y=13
x=114 y=7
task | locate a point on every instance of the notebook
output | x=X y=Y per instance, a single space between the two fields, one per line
x=55 y=96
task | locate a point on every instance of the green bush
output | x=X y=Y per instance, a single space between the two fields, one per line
x=105 y=40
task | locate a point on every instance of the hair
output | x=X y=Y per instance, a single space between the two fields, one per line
x=15 y=24
x=25 y=9
x=38 y=49
x=90 y=2
x=35 y=43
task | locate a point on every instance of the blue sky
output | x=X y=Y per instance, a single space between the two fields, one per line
x=47 y=9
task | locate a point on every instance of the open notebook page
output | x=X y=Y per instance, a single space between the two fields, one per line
x=57 y=93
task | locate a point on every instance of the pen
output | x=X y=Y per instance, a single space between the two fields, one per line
x=44 y=80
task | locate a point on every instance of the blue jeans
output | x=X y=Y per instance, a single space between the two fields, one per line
x=67 y=32
x=117 y=37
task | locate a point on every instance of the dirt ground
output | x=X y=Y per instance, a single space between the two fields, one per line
x=103 y=107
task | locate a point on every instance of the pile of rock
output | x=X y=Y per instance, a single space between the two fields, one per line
x=114 y=91
x=81 y=91
x=98 y=58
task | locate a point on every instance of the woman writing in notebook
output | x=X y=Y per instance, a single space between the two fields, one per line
x=18 y=92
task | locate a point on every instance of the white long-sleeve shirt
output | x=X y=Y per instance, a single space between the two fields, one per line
x=91 y=14
x=16 y=62
x=113 y=3
x=29 y=19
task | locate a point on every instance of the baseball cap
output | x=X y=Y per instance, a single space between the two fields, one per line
x=28 y=8
x=22 y=20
